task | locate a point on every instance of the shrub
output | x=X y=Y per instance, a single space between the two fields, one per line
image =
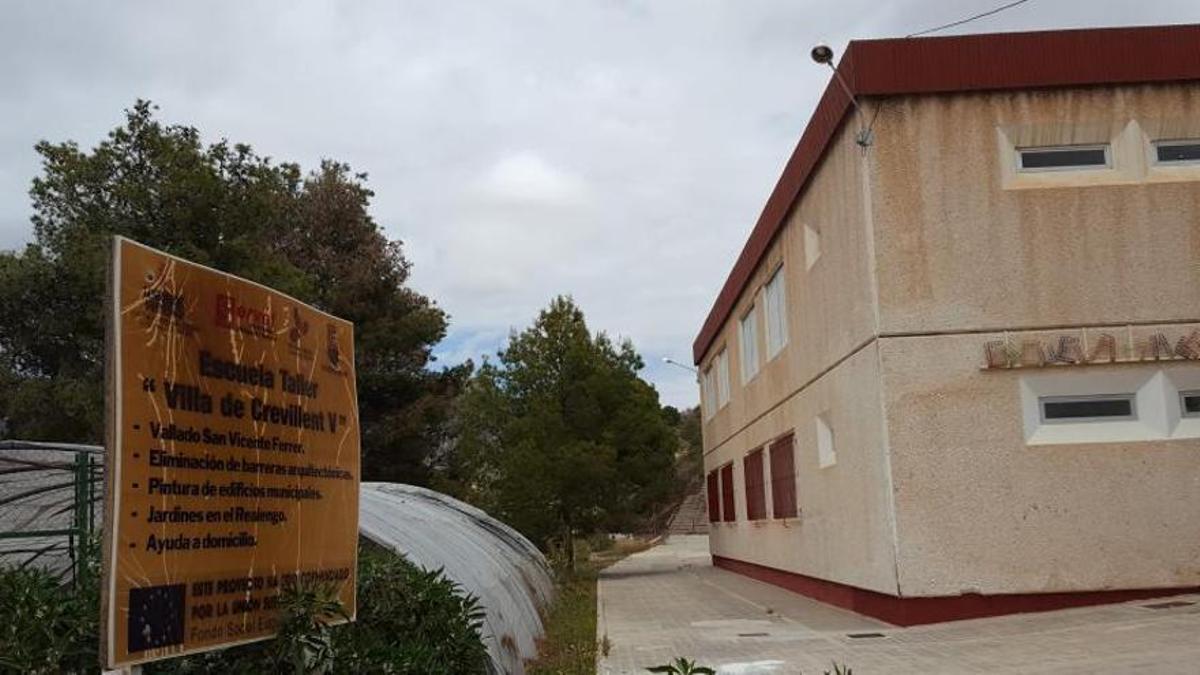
x=49 y=627
x=305 y=639
x=410 y=621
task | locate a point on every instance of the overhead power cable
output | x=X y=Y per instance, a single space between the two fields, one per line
x=968 y=19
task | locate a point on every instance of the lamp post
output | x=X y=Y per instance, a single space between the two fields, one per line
x=673 y=362
x=822 y=54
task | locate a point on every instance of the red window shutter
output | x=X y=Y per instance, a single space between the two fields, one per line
x=728 y=510
x=783 y=478
x=756 y=495
x=714 y=498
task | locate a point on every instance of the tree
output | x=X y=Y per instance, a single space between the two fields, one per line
x=561 y=436
x=224 y=206
x=689 y=465
x=689 y=430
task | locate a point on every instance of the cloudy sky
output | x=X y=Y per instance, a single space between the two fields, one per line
x=616 y=150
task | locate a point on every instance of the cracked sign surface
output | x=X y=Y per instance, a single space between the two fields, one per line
x=233 y=457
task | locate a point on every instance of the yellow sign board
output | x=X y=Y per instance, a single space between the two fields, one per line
x=233 y=457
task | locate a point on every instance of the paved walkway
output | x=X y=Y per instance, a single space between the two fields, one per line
x=669 y=601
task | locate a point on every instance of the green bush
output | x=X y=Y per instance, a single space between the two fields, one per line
x=49 y=627
x=410 y=621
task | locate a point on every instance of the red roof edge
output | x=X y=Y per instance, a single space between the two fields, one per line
x=808 y=153
x=961 y=63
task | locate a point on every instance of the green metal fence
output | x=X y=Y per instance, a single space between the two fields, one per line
x=50 y=497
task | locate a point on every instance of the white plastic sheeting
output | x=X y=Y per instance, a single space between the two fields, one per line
x=486 y=557
x=489 y=559
x=37 y=493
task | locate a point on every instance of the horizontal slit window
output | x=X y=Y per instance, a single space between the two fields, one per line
x=1189 y=401
x=1063 y=158
x=1106 y=407
x=1177 y=152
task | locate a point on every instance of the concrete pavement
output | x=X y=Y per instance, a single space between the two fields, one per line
x=669 y=601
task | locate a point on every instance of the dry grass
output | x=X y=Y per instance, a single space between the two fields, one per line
x=569 y=646
x=620 y=549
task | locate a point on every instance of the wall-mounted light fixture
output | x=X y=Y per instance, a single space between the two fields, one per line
x=822 y=54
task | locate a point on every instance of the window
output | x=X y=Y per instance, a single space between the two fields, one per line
x=714 y=385
x=826 y=456
x=1177 y=152
x=1096 y=408
x=749 y=344
x=1189 y=403
x=728 y=510
x=776 y=302
x=756 y=496
x=714 y=497
x=1063 y=158
x=1105 y=405
x=783 y=478
x=722 y=378
x=708 y=391
x=1110 y=405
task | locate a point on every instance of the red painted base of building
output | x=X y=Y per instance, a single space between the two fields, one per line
x=902 y=611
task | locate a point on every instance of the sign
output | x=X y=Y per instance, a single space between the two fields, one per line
x=1092 y=346
x=232 y=463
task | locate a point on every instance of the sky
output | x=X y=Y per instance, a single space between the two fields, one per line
x=617 y=151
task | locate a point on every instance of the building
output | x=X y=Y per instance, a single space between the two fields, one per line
x=953 y=372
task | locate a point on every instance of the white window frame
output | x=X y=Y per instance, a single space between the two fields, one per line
x=1106 y=147
x=1154 y=399
x=775 y=301
x=1186 y=394
x=1170 y=143
x=723 y=378
x=748 y=343
x=1130 y=397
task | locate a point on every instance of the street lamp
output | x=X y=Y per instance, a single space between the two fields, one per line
x=822 y=55
x=673 y=362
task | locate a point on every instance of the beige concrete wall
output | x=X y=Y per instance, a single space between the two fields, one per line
x=843 y=530
x=965 y=244
x=830 y=306
x=937 y=490
x=979 y=510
